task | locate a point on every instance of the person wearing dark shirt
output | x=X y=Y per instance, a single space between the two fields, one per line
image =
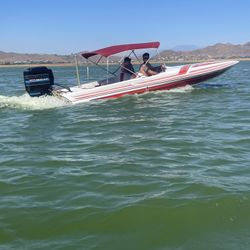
x=127 y=70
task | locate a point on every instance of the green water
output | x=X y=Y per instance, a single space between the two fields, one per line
x=162 y=170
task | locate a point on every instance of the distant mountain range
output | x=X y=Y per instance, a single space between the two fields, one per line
x=19 y=58
x=217 y=51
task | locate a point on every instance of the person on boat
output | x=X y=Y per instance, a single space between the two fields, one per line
x=127 y=70
x=147 y=69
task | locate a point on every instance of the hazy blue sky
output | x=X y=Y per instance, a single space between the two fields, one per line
x=68 y=26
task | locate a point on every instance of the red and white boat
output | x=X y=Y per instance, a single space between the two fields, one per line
x=112 y=87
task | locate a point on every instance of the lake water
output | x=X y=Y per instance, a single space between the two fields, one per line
x=162 y=170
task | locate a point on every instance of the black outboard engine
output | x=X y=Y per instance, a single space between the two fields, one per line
x=38 y=81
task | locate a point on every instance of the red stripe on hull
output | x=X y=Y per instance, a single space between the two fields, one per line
x=184 y=70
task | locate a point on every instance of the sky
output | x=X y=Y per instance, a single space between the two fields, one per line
x=70 y=26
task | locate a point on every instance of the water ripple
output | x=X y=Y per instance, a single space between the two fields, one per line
x=162 y=170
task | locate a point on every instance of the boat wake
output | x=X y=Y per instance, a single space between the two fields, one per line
x=31 y=103
x=48 y=102
x=184 y=89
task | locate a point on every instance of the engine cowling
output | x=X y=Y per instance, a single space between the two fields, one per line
x=38 y=81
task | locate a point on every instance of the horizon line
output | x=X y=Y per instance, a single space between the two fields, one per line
x=73 y=53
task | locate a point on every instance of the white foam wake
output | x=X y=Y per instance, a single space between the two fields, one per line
x=184 y=89
x=31 y=103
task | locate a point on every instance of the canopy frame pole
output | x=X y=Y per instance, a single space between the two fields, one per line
x=103 y=68
x=159 y=55
x=100 y=58
x=120 y=64
x=133 y=73
x=87 y=71
x=77 y=72
x=136 y=57
x=107 y=81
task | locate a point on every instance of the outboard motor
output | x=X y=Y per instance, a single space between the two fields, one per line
x=38 y=81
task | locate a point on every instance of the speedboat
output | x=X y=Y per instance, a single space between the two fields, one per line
x=40 y=80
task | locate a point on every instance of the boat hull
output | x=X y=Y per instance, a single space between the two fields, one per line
x=173 y=77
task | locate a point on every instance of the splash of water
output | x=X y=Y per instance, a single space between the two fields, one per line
x=184 y=89
x=47 y=102
x=31 y=103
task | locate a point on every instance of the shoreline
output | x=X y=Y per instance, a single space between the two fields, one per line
x=80 y=64
x=37 y=65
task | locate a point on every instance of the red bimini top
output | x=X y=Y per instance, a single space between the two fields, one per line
x=108 y=51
